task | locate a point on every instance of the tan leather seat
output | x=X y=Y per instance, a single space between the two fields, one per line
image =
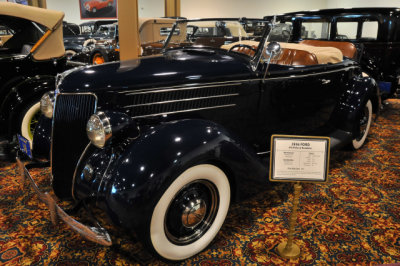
x=347 y=48
x=295 y=57
x=292 y=57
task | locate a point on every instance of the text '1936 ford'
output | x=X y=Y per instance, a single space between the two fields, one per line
x=163 y=144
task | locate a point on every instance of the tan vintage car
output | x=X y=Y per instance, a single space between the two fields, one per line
x=31 y=55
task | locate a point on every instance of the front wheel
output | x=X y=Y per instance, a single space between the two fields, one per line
x=28 y=121
x=364 y=123
x=190 y=212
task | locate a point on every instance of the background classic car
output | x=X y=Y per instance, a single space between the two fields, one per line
x=374 y=31
x=172 y=138
x=77 y=43
x=152 y=33
x=29 y=61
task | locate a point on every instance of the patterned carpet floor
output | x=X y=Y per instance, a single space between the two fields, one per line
x=354 y=219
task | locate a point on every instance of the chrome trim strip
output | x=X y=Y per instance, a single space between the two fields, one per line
x=76 y=169
x=176 y=88
x=96 y=234
x=52 y=122
x=312 y=74
x=189 y=110
x=183 y=100
x=216 y=84
x=264 y=152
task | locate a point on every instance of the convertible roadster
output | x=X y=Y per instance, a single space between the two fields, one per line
x=163 y=144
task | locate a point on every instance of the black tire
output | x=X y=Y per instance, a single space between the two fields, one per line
x=364 y=123
x=189 y=214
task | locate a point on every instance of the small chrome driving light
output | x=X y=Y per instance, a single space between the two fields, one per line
x=47 y=104
x=98 y=129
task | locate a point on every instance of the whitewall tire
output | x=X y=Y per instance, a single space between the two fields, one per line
x=190 y=213
x=364 y=123
x=28 y=121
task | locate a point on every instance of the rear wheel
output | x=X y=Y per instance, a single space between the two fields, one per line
x=28 y=121
x=364 y=123
x=190 y=212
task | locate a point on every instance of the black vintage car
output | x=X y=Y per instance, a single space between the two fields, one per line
x=81 y=42
x=162 y=144
x=70 y=29
x=373 y=31
x=30 y=58
x=152 y=33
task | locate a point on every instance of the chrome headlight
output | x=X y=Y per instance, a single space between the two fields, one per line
x=98 y=129
x=47 y=104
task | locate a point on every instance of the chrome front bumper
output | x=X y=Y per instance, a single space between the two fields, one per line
x=96 y=234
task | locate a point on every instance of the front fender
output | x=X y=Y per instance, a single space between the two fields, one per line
x=132 y=180
x=360 y=90
x=22 y=94
x=42 y=139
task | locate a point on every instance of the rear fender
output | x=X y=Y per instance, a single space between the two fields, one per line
x=131 y=181
x=360 y=90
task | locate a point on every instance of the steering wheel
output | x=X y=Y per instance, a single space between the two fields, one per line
x=242 y=45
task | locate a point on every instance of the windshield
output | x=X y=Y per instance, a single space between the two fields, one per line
x=215 y=33
x=108 y=30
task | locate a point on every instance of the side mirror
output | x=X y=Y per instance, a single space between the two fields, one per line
x=273 y=49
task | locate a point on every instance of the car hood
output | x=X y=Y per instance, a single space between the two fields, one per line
x=174 y=67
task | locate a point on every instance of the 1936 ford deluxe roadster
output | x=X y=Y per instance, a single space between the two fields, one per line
x=163 y=143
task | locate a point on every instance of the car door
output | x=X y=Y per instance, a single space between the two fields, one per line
x=298 y=100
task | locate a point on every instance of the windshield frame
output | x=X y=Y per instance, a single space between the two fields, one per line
x=254 y=59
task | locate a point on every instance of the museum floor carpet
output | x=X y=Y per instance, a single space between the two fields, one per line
x=354 y=219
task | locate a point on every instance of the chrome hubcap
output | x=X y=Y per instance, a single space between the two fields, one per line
x=193 y=213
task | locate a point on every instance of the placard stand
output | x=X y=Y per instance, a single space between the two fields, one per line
x=297 y=159
x=288 y=249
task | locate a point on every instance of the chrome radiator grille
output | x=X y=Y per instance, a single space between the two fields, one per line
x=157 y=102
x=69 y=139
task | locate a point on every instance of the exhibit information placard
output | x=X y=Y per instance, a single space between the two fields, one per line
x=299 y=158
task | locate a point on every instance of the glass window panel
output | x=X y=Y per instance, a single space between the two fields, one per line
x=370 y=30
x=346 y=30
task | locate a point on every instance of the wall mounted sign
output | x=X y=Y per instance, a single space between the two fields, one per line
x=98 y=9
x=299 y=158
